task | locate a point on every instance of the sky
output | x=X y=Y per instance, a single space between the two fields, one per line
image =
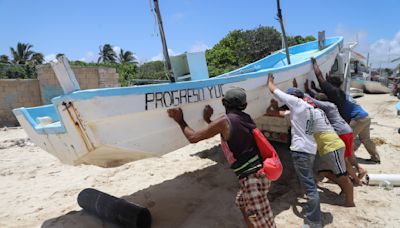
x=78 y=27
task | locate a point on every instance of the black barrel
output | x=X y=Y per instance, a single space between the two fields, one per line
x=114 y=209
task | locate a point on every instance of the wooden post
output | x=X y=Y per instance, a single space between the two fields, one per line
x=167 y=61
x=321 y=40
x=283 y=31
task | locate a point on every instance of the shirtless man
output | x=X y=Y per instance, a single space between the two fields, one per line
x=241 y=151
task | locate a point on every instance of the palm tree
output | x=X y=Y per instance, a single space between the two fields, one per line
x=126 y=57
x=22 y=54
x=36 y=58
x=4 y=59
x=107 y=54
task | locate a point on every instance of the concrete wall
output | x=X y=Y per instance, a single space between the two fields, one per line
x=88 y=78
x=15 y=93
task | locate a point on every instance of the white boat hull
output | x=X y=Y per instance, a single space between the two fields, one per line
x=109 y=130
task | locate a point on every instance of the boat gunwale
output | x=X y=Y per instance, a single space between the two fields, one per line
x=221 y=79
x=58 y=127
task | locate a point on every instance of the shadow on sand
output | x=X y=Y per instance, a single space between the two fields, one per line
x=203 y=198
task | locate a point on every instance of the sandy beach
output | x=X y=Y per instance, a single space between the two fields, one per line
x=190 y=187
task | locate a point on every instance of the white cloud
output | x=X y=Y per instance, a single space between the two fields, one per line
x=351 y=35
x=49 y=57
x=383 y=51
x=89 y=57
x=199 y=46
x=160 y=56
x=117 y=49
x=142 y=60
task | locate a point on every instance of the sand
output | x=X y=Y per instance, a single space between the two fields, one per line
x=190 y=187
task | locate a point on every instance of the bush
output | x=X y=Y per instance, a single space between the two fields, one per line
x=17 y=71
x=241 y=47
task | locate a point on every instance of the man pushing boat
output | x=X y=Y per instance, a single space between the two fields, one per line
x=241 y=151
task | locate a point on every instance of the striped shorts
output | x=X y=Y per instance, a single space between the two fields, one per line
x=333 y=162
x=252 y=197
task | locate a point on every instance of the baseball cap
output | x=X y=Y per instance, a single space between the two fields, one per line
x=295 y=91
x=236 y=97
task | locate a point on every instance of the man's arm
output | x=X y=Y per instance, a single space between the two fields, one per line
x=314 y=87
x=326 y=87
x=289 y=100
x=317 y=71
x=294 y=82
x=219 y=126
x=307 y=89
x=270 y=83
x=320 y=104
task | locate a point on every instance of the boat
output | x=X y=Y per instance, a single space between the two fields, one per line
x=356 y=93
x=112 y=126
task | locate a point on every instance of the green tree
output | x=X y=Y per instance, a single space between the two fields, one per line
x=126 y=57
x=223 y=57
x=24 y=60
x=151 y=70
x=13 y=71
x=107 y=54
x=294 y=40
x=36 y=58
x=4 y=59
x=126 y=72
x=241 y=47
x=259 y=43
x=388 y=71
x=22 y=54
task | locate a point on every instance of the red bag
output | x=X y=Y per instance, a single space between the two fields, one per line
x=272 y=166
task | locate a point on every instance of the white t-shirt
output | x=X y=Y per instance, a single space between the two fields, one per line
x=321 y=122
x=302 y=123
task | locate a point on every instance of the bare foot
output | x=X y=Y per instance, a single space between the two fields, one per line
x=357 y=182
x=361 y=173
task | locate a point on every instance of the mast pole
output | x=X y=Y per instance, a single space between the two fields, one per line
x=283 y=31
x=167 y=61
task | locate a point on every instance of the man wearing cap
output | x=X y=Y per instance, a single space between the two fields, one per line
x=241 y=151
x=303 y=146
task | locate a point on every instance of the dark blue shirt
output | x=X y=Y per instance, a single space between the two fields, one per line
x=336 y=96
x=355 y=110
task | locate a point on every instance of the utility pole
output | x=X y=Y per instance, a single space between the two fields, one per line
x=167 y=61
x=283 y=30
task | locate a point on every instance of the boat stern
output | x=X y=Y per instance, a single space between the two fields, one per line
x=44 y=127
